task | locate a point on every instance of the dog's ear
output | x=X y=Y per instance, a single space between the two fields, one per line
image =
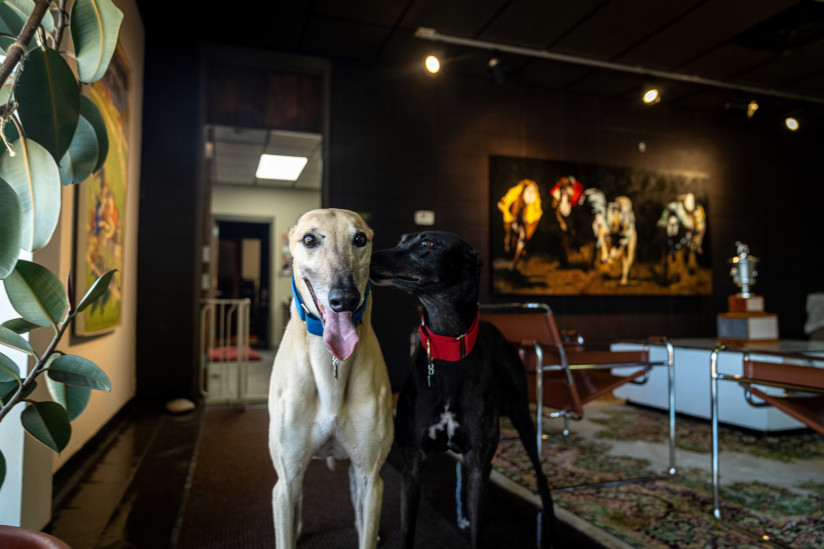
x=473 y=257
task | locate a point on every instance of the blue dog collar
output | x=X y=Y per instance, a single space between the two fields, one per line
x=314 y=325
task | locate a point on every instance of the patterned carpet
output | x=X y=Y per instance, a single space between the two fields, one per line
x=772 y=492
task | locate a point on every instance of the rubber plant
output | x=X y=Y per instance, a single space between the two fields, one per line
x=52 y=136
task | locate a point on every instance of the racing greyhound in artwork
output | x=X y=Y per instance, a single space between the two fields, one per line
x=462 y=377
x=329 y=394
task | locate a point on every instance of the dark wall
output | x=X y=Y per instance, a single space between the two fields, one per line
x=401 y=141
x=169 y=234
x=406 y=141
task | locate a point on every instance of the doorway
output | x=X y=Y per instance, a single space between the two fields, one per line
x=244 y=272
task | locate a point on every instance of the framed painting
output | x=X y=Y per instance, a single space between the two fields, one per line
x=101 y=204
x=565 y=228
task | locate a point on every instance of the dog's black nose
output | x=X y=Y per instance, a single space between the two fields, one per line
x=344 y=299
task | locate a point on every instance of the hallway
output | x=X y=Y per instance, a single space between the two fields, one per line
x=203 y=480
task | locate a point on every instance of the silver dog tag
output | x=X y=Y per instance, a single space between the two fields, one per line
x=430 y=368
x=335 y=363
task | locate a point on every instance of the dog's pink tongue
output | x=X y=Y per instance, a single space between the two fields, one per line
x=339 y=334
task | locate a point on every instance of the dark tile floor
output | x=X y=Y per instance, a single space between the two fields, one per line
x=128 y=489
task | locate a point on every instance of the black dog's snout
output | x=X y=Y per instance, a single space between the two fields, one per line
x=344 y=299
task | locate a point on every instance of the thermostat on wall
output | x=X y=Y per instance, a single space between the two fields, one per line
x=424 y=217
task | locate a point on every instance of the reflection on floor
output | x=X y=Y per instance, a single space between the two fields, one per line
x=133 y=493
x=133 y=488
x=222 y=379
x=129 y=490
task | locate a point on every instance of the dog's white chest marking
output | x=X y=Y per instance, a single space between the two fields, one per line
x=447 y=422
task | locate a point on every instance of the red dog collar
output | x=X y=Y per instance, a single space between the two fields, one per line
x=451 y=349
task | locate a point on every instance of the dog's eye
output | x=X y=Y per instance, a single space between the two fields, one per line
x=310 y=241
x=360 y=240
x=426 y=244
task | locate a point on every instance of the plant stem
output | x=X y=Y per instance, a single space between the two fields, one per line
x=37 y=370
x=18 y=48
x=62 y=19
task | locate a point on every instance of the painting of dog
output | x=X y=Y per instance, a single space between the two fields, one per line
x=608 y=230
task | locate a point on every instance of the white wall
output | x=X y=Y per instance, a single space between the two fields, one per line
x=285 y=207
x=114 y=352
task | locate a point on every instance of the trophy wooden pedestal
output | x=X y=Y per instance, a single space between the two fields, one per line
x=747 y=321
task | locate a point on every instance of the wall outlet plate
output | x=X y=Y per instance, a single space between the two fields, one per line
x=424 y=217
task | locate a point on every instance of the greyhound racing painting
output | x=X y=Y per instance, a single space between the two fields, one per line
x=564 y=228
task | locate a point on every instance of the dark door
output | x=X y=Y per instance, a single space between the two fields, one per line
x=244 y=264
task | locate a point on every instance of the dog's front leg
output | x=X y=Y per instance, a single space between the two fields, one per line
x=286 y=499
x=410 y=495
x=367 y=497
x=476 y=483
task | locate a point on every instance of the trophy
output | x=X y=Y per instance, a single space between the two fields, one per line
x=743 y=275
x=746 y=319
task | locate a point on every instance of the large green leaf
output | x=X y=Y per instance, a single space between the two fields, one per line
x=96 y=290
x=14 y=14
x=8 y=369
x=14 y=341
x=33 y=174
x=8 y=388
x=65 y=168
x=19 y=325
x=48 y=422
x=11 y=215
x=36 y=294
x=95 y=25
x=90 y=112
x=48 y=98
x=81 y=158
x=80 y=372
x=73 y=399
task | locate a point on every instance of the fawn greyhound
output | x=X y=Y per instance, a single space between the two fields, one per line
x=329 y=394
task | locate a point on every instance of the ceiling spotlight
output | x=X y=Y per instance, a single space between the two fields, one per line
x=432 y=64
x=791 y=123
x=740 y=107
x=651 y=96
x=497 y=68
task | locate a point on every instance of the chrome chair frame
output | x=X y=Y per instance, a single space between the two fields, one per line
x=745 y=382
x=567 y=369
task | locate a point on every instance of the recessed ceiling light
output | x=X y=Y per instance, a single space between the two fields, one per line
x=651 y=96
x=432 y=64
x=275 y=166
x=792 y=123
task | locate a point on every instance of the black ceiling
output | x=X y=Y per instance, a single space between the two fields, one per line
x=773 y=45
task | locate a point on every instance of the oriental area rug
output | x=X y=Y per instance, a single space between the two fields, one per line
x=772 y=486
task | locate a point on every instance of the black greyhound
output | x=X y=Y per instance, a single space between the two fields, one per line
x=463 y=376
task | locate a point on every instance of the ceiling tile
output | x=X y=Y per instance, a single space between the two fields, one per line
x=462 y=17
x=617 y=26
x=375 y=12
x=343 y=39
x=709 y=25
x=537 y=23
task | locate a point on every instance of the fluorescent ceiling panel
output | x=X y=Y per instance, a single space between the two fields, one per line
x=275 y=166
